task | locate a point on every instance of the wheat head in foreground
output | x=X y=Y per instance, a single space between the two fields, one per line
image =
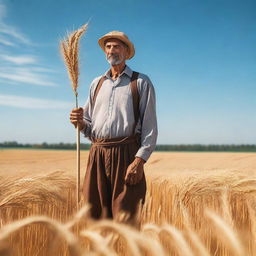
x=110 y=238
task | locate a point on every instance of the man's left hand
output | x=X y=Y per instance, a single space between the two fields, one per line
x=135 y=171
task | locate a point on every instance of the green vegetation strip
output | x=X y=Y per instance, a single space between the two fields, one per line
x=181 y=147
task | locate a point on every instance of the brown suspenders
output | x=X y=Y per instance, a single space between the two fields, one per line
x=135 y=95
x=103 y=78
x=135 y=98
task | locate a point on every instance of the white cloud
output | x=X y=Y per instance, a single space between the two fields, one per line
x=6 y=42
x=10 y=31
x=43 y=70
x=32 y=103
x=2 y=11
x=19 y=60
x=25 y=75
x=14 y=33
x=20 y=68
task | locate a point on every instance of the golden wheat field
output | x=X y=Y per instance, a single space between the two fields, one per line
x=197 y=204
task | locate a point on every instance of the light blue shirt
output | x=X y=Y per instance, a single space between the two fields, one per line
x=112 y=115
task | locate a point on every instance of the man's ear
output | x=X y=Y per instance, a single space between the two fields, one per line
x=127 y=53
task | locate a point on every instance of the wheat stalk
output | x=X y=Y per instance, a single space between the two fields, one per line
x=69 y=49
x=228 y=235
x=59 y=229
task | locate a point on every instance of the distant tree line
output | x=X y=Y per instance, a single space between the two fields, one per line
x=44 y=145
x=181 y=147
x=211 y=147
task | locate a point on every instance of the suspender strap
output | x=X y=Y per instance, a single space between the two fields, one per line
x=103 y=78
x=135 y=98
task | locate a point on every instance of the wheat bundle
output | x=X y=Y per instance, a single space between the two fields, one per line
x=69 y=49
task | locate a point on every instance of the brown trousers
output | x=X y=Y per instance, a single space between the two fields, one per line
x=104 y=187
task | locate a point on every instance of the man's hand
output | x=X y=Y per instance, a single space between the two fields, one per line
x=76 y=117
x=135 y=171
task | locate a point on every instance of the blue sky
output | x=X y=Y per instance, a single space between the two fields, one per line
x=199 y=54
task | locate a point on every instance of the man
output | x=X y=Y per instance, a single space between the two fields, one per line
x=120 y=120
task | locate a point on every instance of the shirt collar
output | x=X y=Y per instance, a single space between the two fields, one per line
x=126 y=71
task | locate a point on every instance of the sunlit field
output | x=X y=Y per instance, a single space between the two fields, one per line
x=197 y=204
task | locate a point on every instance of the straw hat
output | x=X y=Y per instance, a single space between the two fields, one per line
x=121 y=36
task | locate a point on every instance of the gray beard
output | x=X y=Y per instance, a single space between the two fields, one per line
x=114 y=60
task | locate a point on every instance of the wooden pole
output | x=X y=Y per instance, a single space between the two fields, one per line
x=78 y=163
x=77 y=160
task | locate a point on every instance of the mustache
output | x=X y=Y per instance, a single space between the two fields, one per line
x=115 y=55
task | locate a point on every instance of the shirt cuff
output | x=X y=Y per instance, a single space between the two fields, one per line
x=143 y=153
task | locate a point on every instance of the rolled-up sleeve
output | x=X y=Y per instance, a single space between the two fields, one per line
x=148 y=119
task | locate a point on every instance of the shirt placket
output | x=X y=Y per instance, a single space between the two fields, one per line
x=111 y=104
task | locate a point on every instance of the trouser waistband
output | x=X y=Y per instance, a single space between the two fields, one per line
x=115 y=141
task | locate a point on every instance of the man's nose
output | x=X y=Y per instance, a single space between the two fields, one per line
x=111 y=49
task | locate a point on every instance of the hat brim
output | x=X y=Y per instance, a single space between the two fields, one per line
x=130 y=45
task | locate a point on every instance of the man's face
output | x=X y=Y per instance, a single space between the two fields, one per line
x=116 y=52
